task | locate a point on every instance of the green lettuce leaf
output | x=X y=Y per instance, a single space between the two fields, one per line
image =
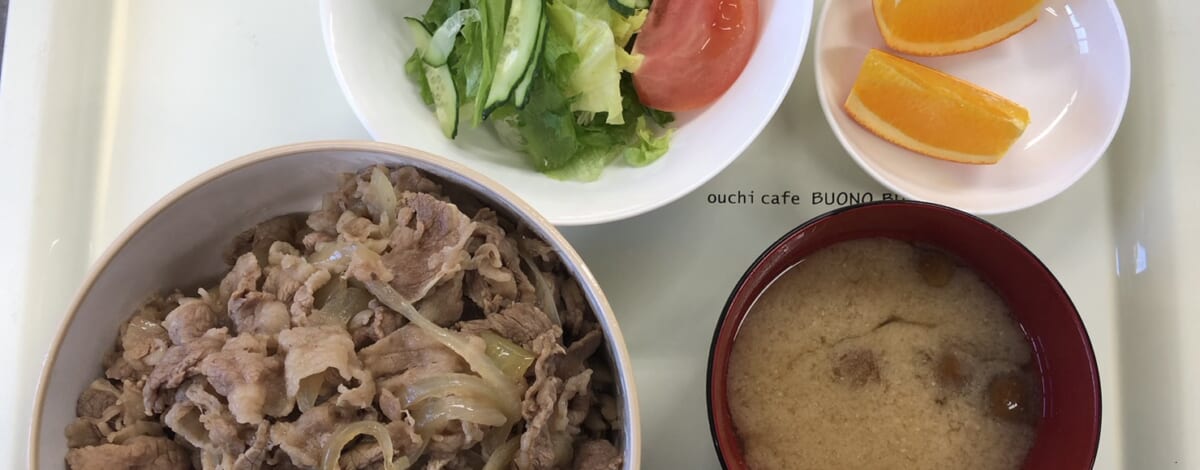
x=623 y=27
x=594 y=86
x=647 y=147
x=439 y=10
x=583 y=112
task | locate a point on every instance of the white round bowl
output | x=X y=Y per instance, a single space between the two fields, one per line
x=1070 y=69
x=179 y=242
x=368 y=45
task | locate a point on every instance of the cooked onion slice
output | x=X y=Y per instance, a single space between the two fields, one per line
x=503 y=456
x=545 y=291
x=432 y=415
x=381 y=200
x=511 y=358
x=477 y=359
x=310 y=389
x=462 y=385
x=343 y=436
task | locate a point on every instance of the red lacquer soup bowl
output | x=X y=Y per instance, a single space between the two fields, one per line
x=1069 y=429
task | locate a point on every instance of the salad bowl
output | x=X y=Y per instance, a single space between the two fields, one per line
x=368 y=43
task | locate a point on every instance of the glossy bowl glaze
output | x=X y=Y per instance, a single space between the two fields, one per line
x=179 y=241
x=1069 y=429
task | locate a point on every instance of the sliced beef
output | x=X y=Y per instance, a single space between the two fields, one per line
x=83 y=432
x=304 y=439
x=258 y=313
x=520 y=323
x=544 y=445
x=98 y=397
x=289 y=272
x=575 y=307
x=332 y=205
x=256 y=454
x=409 y=180
x=251 y=380
x=427 y=245
x=117 y=368
x=367 y=265
x=553 y=419
x=139 y=428
x=407 y=354
x=310 y=351
x=444 y=304
x=496 y=278
x=138 y=453
x=305 y=298
x=177 y=364
x=190 y=320
x=597 y=454
x=315 y=240
x=352 y=227
x=535 y=248
x=200 y=418
x=241 y=279
x=130 y=404
x=143 y=342
x=258 y=240
x=368 y=327
x=578 y=352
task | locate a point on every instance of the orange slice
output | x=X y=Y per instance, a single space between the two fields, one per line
x=942 y=27
x=933 y=113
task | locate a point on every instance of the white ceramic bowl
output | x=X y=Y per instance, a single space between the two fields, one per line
x=1070 y=69
x=179 y=241
x=368 y=46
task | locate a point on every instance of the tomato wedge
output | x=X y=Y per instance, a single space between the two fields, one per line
x=694 y=50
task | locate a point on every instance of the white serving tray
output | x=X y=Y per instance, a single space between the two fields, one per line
x=105 y=106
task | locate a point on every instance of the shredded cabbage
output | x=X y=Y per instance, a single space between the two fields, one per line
x=347 y=433
x=479 y=362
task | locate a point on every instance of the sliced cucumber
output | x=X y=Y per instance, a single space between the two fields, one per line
x=494 y=14
x=521 y=93
x=628 y=7
x=445 y=98
x=420 y=33
x=516 y=50
x=443 y=39
x=441 y=83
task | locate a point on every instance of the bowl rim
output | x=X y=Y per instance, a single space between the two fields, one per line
x=608 y=320
x=1110 y=133
x=1076 y=320
x=791 y=67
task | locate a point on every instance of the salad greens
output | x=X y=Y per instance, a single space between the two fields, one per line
x=551 y=76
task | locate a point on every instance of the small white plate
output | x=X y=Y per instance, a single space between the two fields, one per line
x=1070 y=69
x=367 y=47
